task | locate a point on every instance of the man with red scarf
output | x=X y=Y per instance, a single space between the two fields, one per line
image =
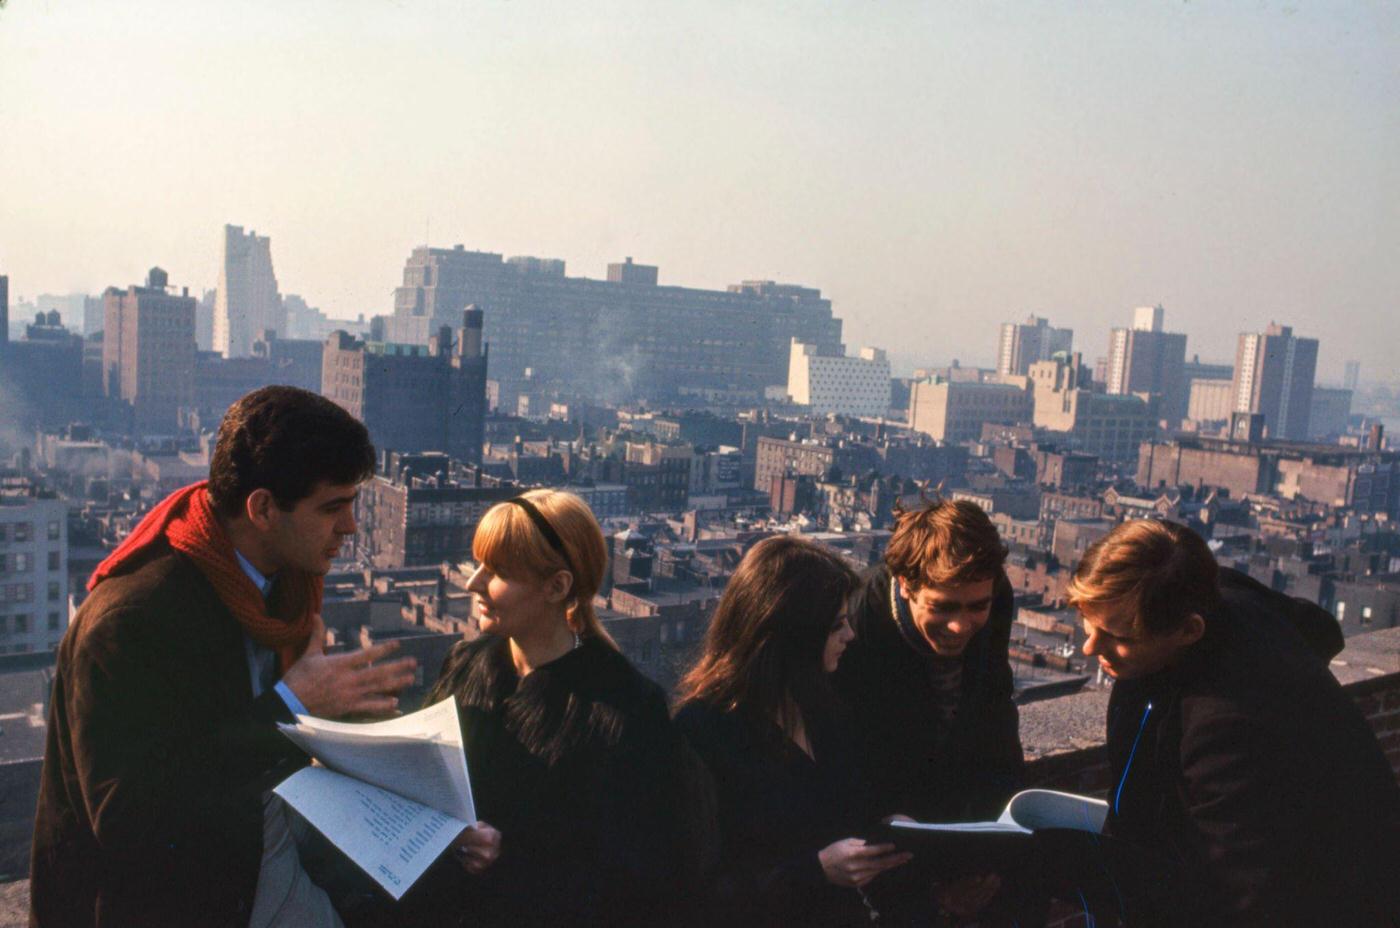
x=201 y=632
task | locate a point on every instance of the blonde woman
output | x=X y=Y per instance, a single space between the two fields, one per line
x=571 y=752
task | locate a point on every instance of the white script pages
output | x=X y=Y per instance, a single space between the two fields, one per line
x=1038 y=825
x=391 y=795
x=1028 y=811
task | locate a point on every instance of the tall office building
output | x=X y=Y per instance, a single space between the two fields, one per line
x=148 y=351
x=1352 y=380
x=414 y=398
x=621 y=339
x=4 y=313
x=247 y=304
x=1330 y=413
x=94 y=315
x=1274 y=373
x=204 y=320
x=1023 y=344
x=1145 y=359
x=1149 y=318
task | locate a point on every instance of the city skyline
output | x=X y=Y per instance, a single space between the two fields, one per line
x=935 y=172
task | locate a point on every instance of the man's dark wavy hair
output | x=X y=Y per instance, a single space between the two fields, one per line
x=286 y=441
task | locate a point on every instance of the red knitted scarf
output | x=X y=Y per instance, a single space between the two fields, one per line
x=186 y=520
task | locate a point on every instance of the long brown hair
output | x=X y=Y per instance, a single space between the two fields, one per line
x=763 y=651
x=511 y=546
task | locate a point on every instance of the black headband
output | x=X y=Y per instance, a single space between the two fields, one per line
x=547 y=530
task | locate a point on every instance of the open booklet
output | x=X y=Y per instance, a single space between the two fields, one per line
x=979 y=845
x=391 y=795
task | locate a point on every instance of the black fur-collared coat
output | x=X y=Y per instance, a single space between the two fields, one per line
x=576 y=765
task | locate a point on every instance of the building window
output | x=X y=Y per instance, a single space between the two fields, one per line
x=24 y=531
x=54 y=591
x=54 y=560
x=21 y=624
x=1341 y=611
x=54 y=529
x=53 y=621
x=17 y=593
x=1365 y=615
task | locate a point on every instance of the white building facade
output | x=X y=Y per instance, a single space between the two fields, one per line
x=33 y=573
x=846 y=386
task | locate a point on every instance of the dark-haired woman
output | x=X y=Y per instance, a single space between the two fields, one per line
x=758 y=708
x=571 y=751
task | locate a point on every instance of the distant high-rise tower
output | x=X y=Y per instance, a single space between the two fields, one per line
x=248 y=303
x=4 y=313
x=1148 y=318
x=148 y=352
x=1352 y=380
x=1274 y=378
x=1144 y=359
x=204 y=320
x=1024 y=344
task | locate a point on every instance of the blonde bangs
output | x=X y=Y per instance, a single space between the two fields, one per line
x=510 y=546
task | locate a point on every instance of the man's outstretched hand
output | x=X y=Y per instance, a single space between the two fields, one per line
x=336 y=685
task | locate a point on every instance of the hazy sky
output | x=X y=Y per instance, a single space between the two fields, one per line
x=935 y=168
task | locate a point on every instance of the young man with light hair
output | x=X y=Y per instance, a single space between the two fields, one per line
x=1235 y=755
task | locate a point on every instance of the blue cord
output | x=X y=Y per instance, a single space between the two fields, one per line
x=1088 y=917
x=1118 y=794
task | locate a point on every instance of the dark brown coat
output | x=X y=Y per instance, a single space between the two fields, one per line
x=1255 y=777
x=150 y=809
